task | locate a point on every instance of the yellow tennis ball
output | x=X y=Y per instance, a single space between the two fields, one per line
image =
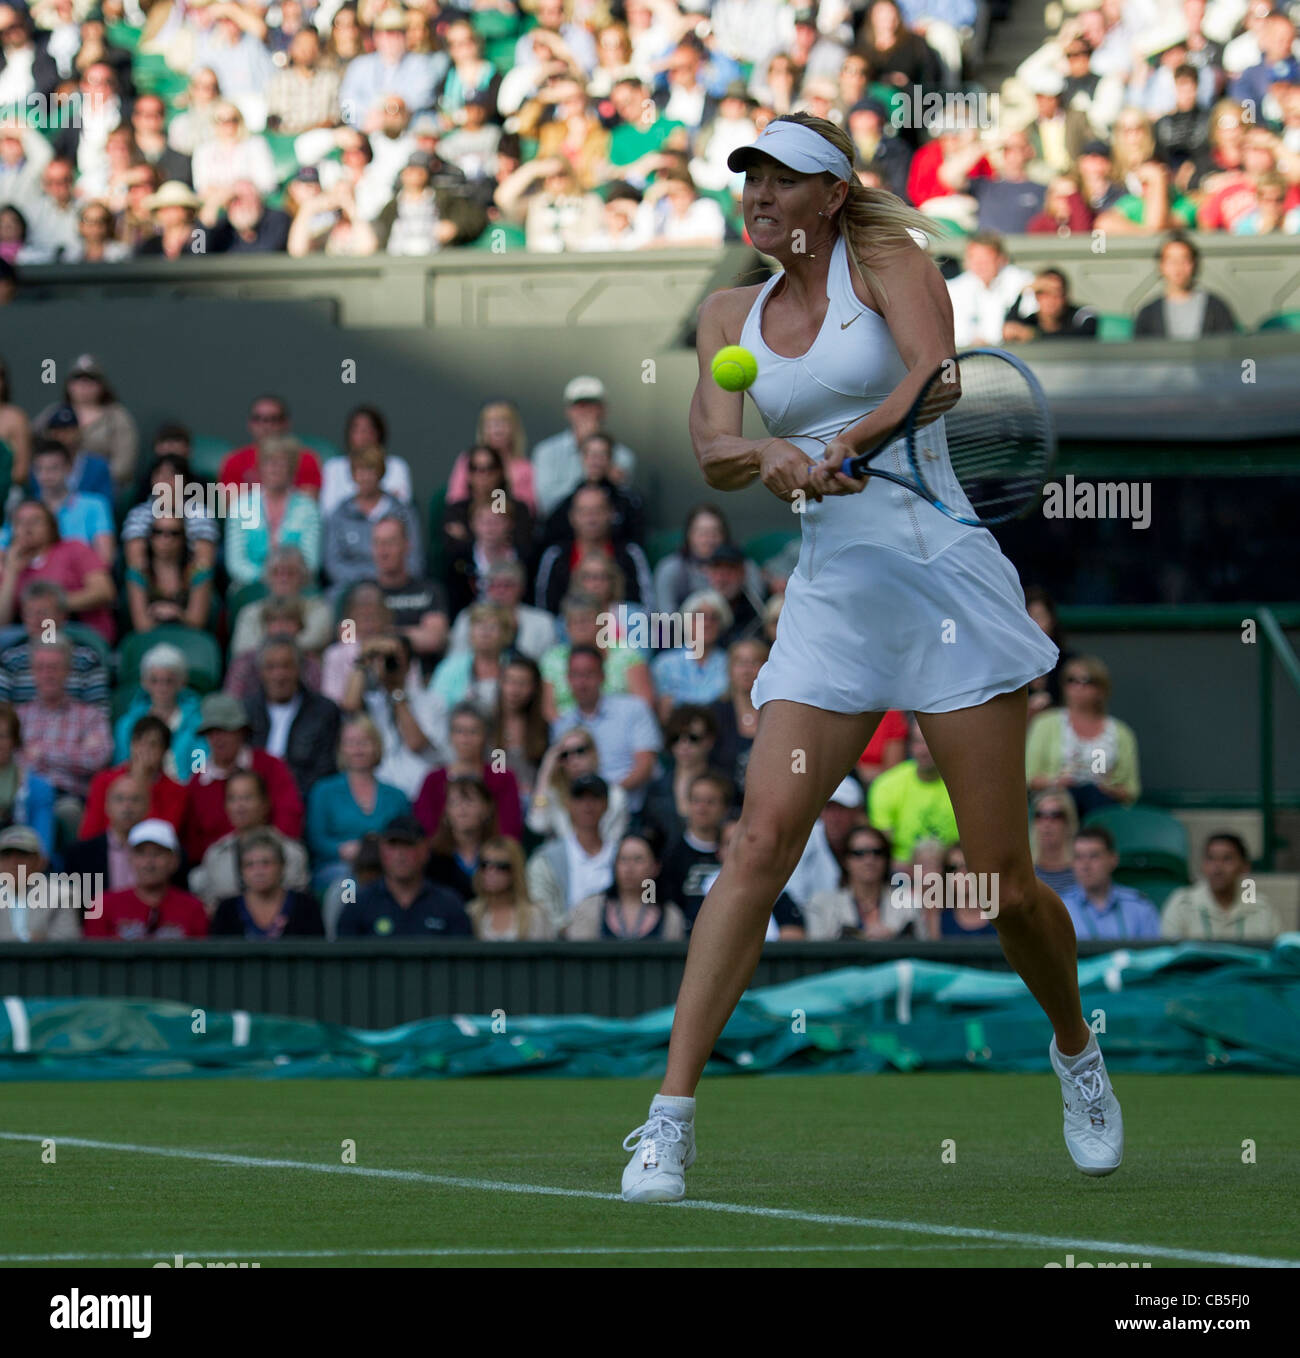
x=734 y=368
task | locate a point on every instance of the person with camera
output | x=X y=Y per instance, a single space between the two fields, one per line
x=386 y=684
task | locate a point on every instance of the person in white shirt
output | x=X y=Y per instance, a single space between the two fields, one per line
x=733 y=127
x=987 y=289
x=579 y=861
x=818 y=869
x=504 y=583
x=365 y=428
x=1225 y=905
x=23 y=863
x=673 y=214
x=557 y=463
x=25 y=156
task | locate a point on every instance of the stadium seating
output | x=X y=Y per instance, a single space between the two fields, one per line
x=207 y=454
x=200 y=649
x=1146 y=838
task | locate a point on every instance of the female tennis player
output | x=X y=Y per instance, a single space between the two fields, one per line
x=892 y=605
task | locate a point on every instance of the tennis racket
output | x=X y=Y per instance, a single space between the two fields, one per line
x=1001 y=444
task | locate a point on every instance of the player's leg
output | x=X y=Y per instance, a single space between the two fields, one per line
x=980 y=754
x=799 y=757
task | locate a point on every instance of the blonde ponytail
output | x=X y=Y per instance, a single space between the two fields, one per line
x=872 y=221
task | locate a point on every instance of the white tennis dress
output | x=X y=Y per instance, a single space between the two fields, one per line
x=893 y=604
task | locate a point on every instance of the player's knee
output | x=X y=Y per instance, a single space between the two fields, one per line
x=1015 y=894
x=764 y=845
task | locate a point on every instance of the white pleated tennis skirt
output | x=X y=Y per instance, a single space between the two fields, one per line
x=877 y=629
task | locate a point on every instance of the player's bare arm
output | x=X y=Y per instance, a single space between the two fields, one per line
x=728 y=460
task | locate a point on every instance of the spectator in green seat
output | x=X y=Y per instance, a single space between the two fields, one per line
x=1080 y=748
x=163 y=694
x=194 y=125
x=1225 y=905
x=280 y=517
x=173 y=586
x=1154 y=205
x=1098 y=905
x=287 y=580
x=673 y=214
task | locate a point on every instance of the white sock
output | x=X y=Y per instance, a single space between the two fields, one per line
x=1091 y=1050
x=676 y=1105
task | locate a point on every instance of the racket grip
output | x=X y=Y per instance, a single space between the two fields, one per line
x=849 y=467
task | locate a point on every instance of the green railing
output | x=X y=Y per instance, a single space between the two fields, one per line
x=1273 y=645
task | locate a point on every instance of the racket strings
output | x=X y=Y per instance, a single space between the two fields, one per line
x=998 y=437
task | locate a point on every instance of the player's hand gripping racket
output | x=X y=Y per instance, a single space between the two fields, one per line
x=1001 y=445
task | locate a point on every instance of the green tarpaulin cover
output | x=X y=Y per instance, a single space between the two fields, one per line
x=1182 y=1008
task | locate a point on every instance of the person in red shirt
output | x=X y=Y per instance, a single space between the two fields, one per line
x=224 y=724
x=153 y=908
x=468 y=730
x=150 y=740
x=36 y=552
x=886 y=747
x=268 y=415
x=946 y=164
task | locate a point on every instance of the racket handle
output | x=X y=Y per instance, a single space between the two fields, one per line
x=849 y=467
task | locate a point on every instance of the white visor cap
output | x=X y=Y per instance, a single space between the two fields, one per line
x=796 y=146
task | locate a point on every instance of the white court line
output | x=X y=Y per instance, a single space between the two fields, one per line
x=247 y=1253
x=1051 y=1242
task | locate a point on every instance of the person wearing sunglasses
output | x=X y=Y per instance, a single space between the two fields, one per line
x=1052 y=828
x=579 y=861
x=690 y=734
x=502 y=911
x=860 y=907
x=568 y=758
x=1080 y=748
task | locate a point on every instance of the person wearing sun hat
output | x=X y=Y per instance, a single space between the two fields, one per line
x=174 y=210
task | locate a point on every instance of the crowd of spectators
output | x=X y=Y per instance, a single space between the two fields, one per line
x=185 y=128
x=289 y=698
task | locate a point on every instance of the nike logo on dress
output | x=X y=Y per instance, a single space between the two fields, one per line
x=844 y=325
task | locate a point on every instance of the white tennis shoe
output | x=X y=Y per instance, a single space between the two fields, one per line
x=1094 y=1126
x=663 y=1149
